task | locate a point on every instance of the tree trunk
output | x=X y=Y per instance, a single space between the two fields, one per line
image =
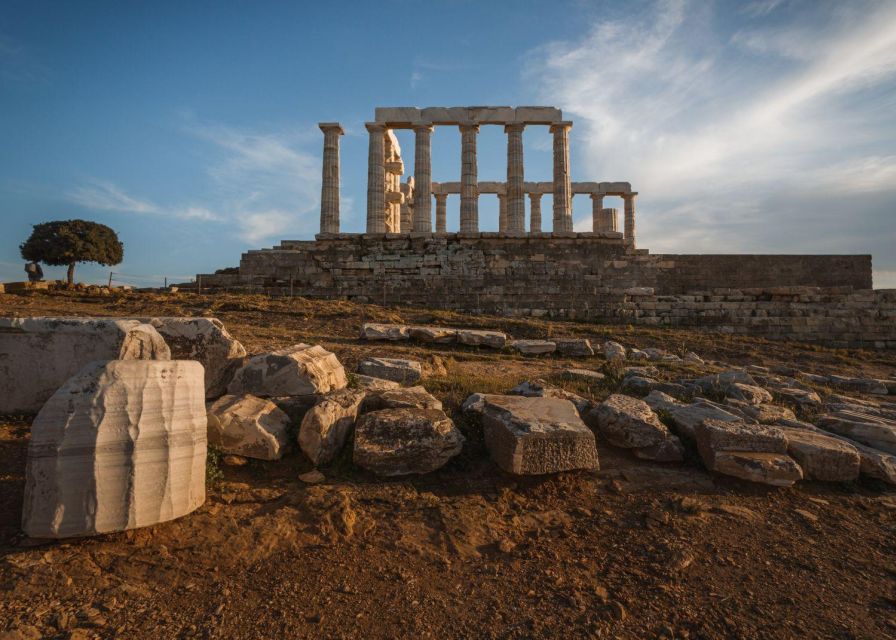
x=71 y=273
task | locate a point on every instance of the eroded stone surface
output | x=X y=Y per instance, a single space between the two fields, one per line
x=374 y=384
x=395 y=369
x=874 y=431
x=534 y=347
x=402 y=398
x=298 y=370
x=437 y=335
x=541 y=389
x=38 y=355
x=327 y=426
x=627 y=422
x=576 y=347
x=530 y=436
x=822 y=457
x=248 y=426
x=476 y=337
x=391 y=332
x=122 y=444
x=613 y=350
x=776 y=469
x=395 y=442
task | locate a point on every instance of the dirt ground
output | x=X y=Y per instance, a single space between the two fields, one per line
x=636 y=550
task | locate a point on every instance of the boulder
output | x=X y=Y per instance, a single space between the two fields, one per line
x=594 y=377
x=475 y=337
x=775 y=469
x=613 y=350
x=396 y=442
x=120 y=445
x=402 y=398
x=876 y=464
x=38 y=355
x=860 y=385
x=822 y=457
x=391 y=332
x=327 y=426
x=638 y=385
x=575 y=347
x=874 y=431
x=206 y=341
x=541 y=389
x=627 y=422
x=295 y=371
x=532 y=436
x=248 y=426
x=437 y=335
x=765 y=413
x=534 y=347
x=374 y=384
x=686 y=417
x=669 y=450
x=751 y=394
x=395 y=369
x=798 y=396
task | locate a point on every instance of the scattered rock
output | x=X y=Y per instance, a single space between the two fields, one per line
x=40 y=354
x=312 y=477
x=541 y=389
x=248 y=426
x=374 y=384
x=475 y=337
x=822 y=457
x=765 y=413
x=530 y=436
x=402 y=398
x=436 y=335
x=391 y=332
x=751 y=394
x=797 y=396
x=686 y=417
x=692 y=358
x=394 y=442
x=395 y=369
x=575 y=347
x=103 y=441
x=533 y=347
x=860 y=385
x=327 y=426
x=627 y=422
x=594 y=377
x=295 y=371
x=637 y=354
x=638 y=385
x=776 y=469
x=613 y=350
x=868 y=429
x=750 y=452
x=719 y=382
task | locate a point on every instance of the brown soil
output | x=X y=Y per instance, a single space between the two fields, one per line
x=637 y=550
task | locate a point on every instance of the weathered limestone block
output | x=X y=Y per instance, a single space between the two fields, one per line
x=206 y=341
x=295 y=371
x=392 y=332
x=627 y=422
x=613 y=350
x=776 y=469
x=541 y=389
x=476 y=337
x=686 y=417
x=395 y=369
x=38 y=355
x=823 y=457
x=122 y=444
x=751 y=452
x=395 y=442
x=799 y=396
x=437 y=335
x=402 y=398
x=594 y=377
x=748 y=393
x=577 y=347
x=327 y=426
x=876 y=432
x=531 y=436
x=248 y=426
x=861 y=385
x=374 y=384
x=533 y=347
x=721 y=381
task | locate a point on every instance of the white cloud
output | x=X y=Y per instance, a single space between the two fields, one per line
x=105 y=196
x=714 y=137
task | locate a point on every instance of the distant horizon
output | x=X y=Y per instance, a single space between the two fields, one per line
x=763 y=127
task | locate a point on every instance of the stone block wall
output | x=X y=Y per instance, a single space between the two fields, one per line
x=589 y=276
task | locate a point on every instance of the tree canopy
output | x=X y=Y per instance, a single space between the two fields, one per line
x=67 y=242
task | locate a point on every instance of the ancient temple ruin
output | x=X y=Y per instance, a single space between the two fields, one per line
x=408 y=256
x=396 y=207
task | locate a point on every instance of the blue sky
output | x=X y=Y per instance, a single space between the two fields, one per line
x=762 y=126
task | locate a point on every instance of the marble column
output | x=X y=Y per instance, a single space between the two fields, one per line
x=516 y=205
x=423 y=178
x=562 y=185
x=469 y=179
x=502 y=212
x=329 y=186
x=407 y=208
x=376 y=178
x=441 y=211
x=608 y=219
x=535 y=212
x=630 y=216
x=597 y=204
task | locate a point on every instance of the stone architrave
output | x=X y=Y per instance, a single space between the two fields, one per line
x=516 y=206
x=469 y=179
x=38 y=355
x=441 y=212
x=329 y=191
x=376 y=178
x=597 y=205
x=534 y=212
x=423 y=178
x=562 y=185
x=121 y=445
x=629 y=200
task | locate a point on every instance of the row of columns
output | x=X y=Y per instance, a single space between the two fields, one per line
x=511 y=207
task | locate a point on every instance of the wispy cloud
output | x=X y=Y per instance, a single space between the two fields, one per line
x=730 y=152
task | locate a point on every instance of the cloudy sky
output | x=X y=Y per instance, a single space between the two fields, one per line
x=761 y=126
